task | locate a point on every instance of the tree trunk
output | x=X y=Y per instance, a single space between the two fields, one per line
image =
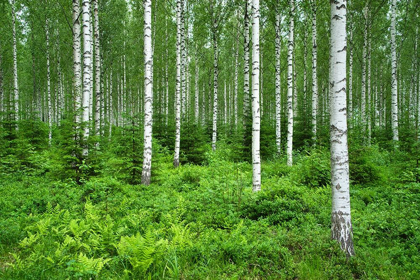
x=278 y=81
x=235 y=97
x=87 y=71
x=98 y=90
x=197 y=91
x=314 y=74
x=215 y=87
x=15 y=70
x=394 y=86
x=148 y=94
x=341 y=221
x=178 y=85
x=256 y=161
x=290 y=114
x=50 y=117
x=77 y=61
x=246 y=66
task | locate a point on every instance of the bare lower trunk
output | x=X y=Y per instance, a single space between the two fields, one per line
x=278 y=83
x=290 y=108
x=148 y=94
x=394 y=86
x=98 y=90
x=341 y=220
x=246 y=66
x=256 y=161
x=314 y=75
x=178 y=86
x=15 y=70
x=87 y=71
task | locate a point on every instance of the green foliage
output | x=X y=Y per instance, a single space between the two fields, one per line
x=198 y=221
x=313 y=170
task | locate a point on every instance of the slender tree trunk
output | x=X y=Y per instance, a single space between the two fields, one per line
x=183 y=63
x=314 y=74
x=246 y=66
x=394 y=86
x=15 y=70
x=369 y=89
x=341 y=221
x=98 y=90
x=350 y=110
x=148 y=94
x=256 y=161
x=261 y=82
x=215 y=87
x=77 y=69
x=178 y=85
x=197 y=90
x=87 y=71
x=49 y=97
x=278 y=81
x=364 y=72
x=235 y=98
x=290 y=108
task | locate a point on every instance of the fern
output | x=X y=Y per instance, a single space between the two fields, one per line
x=138 y=250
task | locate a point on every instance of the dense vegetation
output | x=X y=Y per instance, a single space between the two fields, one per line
x=200 y=221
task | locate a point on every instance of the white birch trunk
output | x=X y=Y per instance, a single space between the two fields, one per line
x=87 y=71
x=369 y=90
x=350 y=102
x=197 y=91
x=183 y=63
x=215 y=87
x=290 y=114
x=50 y=117
x=148 y=94
x=278 y=82
x=394 y=86
x=364 y=74
x=225 y=120
x=341 y=220
x=235 y=98
x=15 y=70
x=256 y=161
x=98 y=90
x=178 y=85
x=246 y=65
x=77 y=69
x=314 y=74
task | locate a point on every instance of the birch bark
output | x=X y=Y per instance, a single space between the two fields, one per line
x=394 y=85
x=256 y=161
x=290 y=110
x=148 y=94
x=341 y=220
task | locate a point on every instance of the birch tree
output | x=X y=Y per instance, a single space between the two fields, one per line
x=98 y=90
x=77 y=60
x=15 y=69
x=256 y=161
x=148 y=94
x=278 y=80
x=341 y=220
x=290 y=113
x=49 y=101
x=178 y=85
x=394 y=86
x=87 y=71
x=314 y=74
x=246 y=65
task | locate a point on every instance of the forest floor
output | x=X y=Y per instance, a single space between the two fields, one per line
x=204 y=222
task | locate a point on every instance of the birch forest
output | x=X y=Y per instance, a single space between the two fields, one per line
x=209 y=139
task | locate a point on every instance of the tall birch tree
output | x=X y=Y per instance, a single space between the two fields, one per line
x=178 y=85
x=15 y=68
x=290 y=75
x=77 y=88
x=87 y=71
x=314 y=74
x=278 y=80
x=148 y=94
x=394 y=85
x=256 y=160
x=341 y=228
